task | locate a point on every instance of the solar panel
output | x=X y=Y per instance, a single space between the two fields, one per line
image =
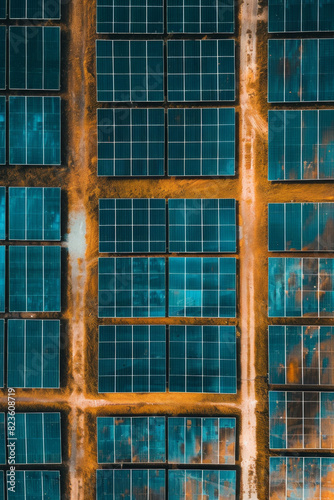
x=2 y=277
x=35 y=484
x=130 y=16
x=132 y=225
x=3 y=459
x=301 y=70
x=34 y=279
x=34 y=213
x=131 y=142
x=301 y=420
x=3 y=58
x=34 y=57
x=195 y=440
x=3 y=9
x=131 y=439
x=2 y=352
x=132 y=358
x=305 y=227
x=38 y=438
x=201 y=142
x=202 y=225
x=301 y=477
x=139 y=484
x=201 y=70
x=301 y=355
x=34 y=9
x=2 y=485
x=34 y=130
x=3 y=121
x=201 y=484
x=33 y=353
x=202 y=359
x=301 y=287
x=300 y=145
x=300 y=15
x=132 y=287
x=202 y=287
x=2 y=213
x=200 y=16
x=129 y=70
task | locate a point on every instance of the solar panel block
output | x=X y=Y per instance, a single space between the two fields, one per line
x=302 y=355
x=34 y=279
x=202 y=287
x=132 y=358
x=130 y=16
x=303 y=227
x=132 y=287
x=300 y=16
x=3 y=443
x=2 y=277
x=201 y=484
x=38 y=438
x=201 y=440
x=2 y=485
x=131 y=142
x=139 y=484
x=3 y=121
x=34 y=57
x=134 y=225
x=131 y=439
x=301 y=420
x=129 y=70
x=202 y=225
x=202 y=359
x=301 y=477
x=200 y=16
x=2 y=352
x=36 y=485
x=201 y=142
x=301 y=145
x=2 y=213
x=34 y=130
x=201 y=70
x=301 y=287
x=34 y=9
x=3 y=59
x=3 y=9
x=33 y=353
x=301 y=70
x=34 y=214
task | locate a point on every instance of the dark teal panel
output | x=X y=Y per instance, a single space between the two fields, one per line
x=3 y=133
x=130 y=16
x=2 y=277
x=3 y=51
x=184 y=484
x=200 y=16
x=34 y=9
x=3 y=9
x=2 y=351
x=2 y=213
x=145 y=484
x=300 y=16
x=35 y=485
x=3 y=442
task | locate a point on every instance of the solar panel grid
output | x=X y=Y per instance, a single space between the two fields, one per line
x=3 y=58
x=2 y=213
x=36 y=485
x=2 y=352
x=2 y=278
x=201 y=484
x=3 y=9
x=200 y=16
x=140 y=484
x=130 y=16
x=300 y=16
x=3 y=133
x=34 y=9
x=3 y=447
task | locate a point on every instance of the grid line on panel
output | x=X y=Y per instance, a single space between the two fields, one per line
x=187 y=17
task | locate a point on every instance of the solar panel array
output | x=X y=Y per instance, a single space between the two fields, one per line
x=34 y=9
x=3 y=443
x=2 y=213
x=3 y=58
x=2 y=352
x=300 y=16
x=201 y=16
x=143 y=484
x=130 y=16
x=201 y=484
x=36 y=484
x=300 y=147
x=3 y=121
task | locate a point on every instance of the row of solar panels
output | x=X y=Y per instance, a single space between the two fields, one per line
x=133 y=358
x=30 y=9
x=191 y=440
x=197 y=286
x=30 y=484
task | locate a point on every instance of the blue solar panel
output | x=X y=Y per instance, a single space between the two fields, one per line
x=301 y=477
x=301 y=420
x=300 y=146
x=139 y=484
x=2 y=352
x=201 y=142
x=200 y=16
x=132 y=358
x=2 y=213
x=3 y=9
x=33 y=353
x=35 y=485
x=201 y=70
x=301 y=70
x=38 y=438
x=300 y=15
x=201 y=484
x=132 y=287
x=202 y=287
x=2 y=485
x=34 y=9
x=132 y=225
x=34 y=279
x=3 y=59
x=202 y=359
x=3 y=133
x=301 y=355
x=130 y=16
x=34 y=213
x=195 y=440
x=34 y=57
x=2 y=277
x=34 y=130
x=301 y=227
x=131 y=439
x=129 y=70
x=3 y=454
x=205 y=225
x=131 y=142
